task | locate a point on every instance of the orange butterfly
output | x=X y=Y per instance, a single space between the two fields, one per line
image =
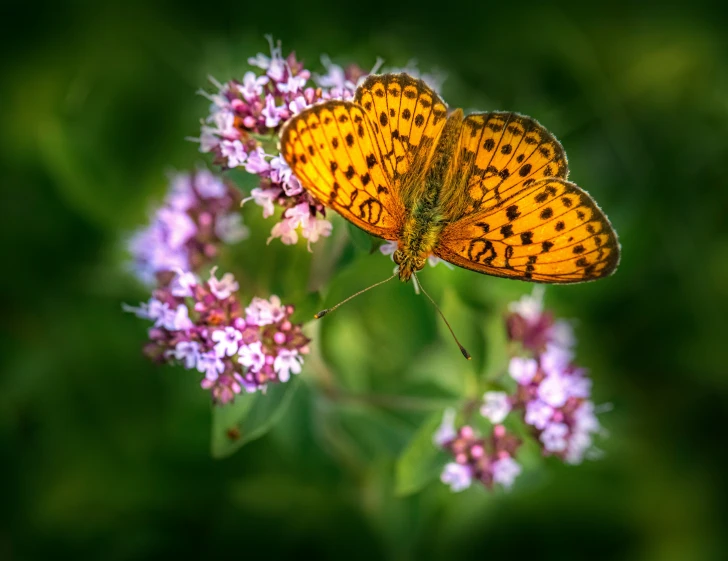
x=487 y=192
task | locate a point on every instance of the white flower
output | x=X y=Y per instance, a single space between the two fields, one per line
x=505 y=471
x=579 y=444
x=177 y=226
x=554 y=437
x=208 y=139
x=554 y=390
x=287 y=362
x=585 y=419
x=224 y=287
x=298 y=104
x=522 y=370
x=180 y=196
x=264 y=312
x=252 y=356
x=292 y=186
x=271 y=112
x=555 y=359
x=147 y=310
x=211 y=364
x=234 y=151
x=176 y=320
x=530 y=306
x=257 y=163
x=562 y=334
x=388 y=248
x=252 y=85
x=446 y=431
x=538 y=413
x=187 y=351
x=293 y=84
x=280 y=171
x=314 y=228
x=230 y=228
x=208 y=186
x=228 y=341
x=496 y=406
x=457 y=476
x=334 y=77
x=181 y=285
x=264 y=198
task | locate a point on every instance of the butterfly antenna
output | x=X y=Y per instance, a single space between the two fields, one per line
x=322 y=313
x=466 y=354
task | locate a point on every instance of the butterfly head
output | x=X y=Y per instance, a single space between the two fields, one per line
x=408 y=264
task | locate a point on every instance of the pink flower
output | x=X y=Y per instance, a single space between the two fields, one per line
x=522 y=370
x=252 y=356
x=257 y=163
x=264 y=312
x=553 y=390
x=496 y=406
x=554 y=437
x=228 y=341
x=446 y=431
x=286 y=363
x=183 y=283
x=252 y=86
x=187 y=351
x=211 y=365
x=457 y=476
x=264 y=198
x=271 y=112
x=505 y=471
x=538 y=413
x=224 y=287
x=234 y=151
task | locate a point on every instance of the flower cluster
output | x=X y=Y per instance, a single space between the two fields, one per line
x=552 y=396
x=245 y=118
x=552 y=392
x=204 y=327
x=488 y=460
x=199 y=212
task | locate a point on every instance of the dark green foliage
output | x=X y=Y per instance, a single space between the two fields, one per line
x=108 y=457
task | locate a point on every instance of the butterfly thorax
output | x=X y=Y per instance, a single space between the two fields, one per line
x=425 y=219
x=419 y=238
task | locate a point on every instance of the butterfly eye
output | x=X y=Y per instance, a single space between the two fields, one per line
x=398 y=256
x=420 y=263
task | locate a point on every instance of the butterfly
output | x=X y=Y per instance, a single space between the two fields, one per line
x=487 y=192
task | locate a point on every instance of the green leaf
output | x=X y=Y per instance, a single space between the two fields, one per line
x=249 y=417
x=422 y=461
x=496 y=360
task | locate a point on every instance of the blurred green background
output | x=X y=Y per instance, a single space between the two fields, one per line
x=107 y=456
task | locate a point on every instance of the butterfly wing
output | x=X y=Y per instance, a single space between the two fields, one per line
x=332 y=149
x=407 y=117
x=511 y=212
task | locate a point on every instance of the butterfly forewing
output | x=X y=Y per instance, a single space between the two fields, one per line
x=332 y=150
x=408 y=118
x=498 y=154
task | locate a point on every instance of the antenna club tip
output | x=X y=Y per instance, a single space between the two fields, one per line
x=466 y=354
x=321 y=314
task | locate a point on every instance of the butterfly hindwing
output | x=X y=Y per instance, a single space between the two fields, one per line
x=549 y=231
x=332 y=150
